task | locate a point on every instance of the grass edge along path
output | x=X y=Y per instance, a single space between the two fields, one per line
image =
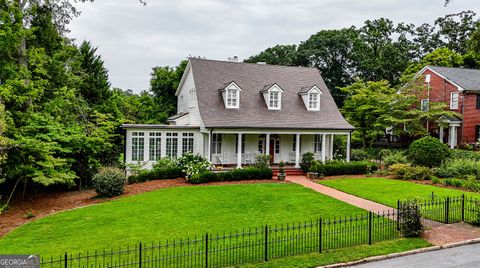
x=344 y=254
x=389 y=191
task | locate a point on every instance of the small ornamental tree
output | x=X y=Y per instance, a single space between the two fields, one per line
x=428 y=151
x=410 y=219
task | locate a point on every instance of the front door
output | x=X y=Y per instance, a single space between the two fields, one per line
x=272 y=150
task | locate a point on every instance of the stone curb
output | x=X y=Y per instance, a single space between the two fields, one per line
x=401 y=254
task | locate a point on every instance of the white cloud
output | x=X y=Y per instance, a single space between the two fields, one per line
x=133 y=38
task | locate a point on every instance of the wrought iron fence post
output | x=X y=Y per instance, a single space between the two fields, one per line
x=398 y=215
x=66 y=260
x=320 y=235
x=140 y=255
x=206 y=250
x=447 y=210
x=370 y=228
x=266 y=242
x=463 y=207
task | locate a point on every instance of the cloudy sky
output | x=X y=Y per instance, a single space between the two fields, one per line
x=133 y=38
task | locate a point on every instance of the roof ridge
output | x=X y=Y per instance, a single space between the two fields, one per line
x=256 y=64
x=459 y=68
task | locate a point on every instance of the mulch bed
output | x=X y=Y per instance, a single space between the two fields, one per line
x=45 y=204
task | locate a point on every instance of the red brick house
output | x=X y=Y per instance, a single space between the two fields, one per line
x=459 y=88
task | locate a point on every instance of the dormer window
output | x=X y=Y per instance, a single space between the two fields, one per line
x=273 y=96
x=311 y=97
x=231 y=96
x=313 y=101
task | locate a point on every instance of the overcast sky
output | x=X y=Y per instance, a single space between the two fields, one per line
x=133 y=38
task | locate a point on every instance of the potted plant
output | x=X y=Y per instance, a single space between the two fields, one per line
x=281 y=171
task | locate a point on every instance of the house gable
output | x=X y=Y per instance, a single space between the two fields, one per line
x=187 y=102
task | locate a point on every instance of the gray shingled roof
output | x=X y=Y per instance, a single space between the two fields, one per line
x=210 y=75
x=174 y=117
x=468 y=79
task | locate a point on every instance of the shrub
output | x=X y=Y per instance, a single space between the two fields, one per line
x=474 y=218
x=411 y=219
x=343 y=168
x=248 y=173
x=459 y=168
x=193 y=164
x=471 y=184
x=307 y=160
x=109 y=181
x=436 y=180
x=407 y=172
x=157 y=174
x=427 y=151
x=359 y=155
x=454 y=182
x=262 y=161
x=166 y=162
x=395 y=158
x=464 y=154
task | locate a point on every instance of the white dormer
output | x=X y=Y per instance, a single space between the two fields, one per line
x=231 y=96
x=311 y=98
x=273 y=97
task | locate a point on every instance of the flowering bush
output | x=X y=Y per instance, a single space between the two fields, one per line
x=166 y=162
x=262 y=161
x=193 y=164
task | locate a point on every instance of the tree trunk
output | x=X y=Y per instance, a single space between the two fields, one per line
x=13 y=191
x=22 y=49
x=25 y=181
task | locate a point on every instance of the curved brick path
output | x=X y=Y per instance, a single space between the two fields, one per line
x=437 y=233
x=347 y=198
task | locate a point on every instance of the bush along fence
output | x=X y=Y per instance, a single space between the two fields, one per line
x=449 y=209
x=247 y=246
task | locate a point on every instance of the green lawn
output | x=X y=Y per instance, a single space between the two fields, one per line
x=388 y=191
x=345 y=254
x=171 y=213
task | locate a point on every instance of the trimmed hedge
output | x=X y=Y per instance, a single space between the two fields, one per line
x=109 y=182
x=428 y=152
x=407 y=172
x=157 y=174
x=343 y=168
x=248 y=173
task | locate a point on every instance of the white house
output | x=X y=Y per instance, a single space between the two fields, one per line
x=230 y=111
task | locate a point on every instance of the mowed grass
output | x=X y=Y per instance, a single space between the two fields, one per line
x=388 y=191
x=170 y=214
x=345 y=254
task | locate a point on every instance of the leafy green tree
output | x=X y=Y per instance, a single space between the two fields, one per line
x=163 y=84
x=94 y=87
x=440 y=57
x=277 y=55
x=455 y=30
x=331 y=52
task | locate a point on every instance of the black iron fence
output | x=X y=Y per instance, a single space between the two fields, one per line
x=273 y=241
x=449 y=209
x=252 y=245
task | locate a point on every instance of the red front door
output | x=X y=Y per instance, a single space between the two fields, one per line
x=272 y=150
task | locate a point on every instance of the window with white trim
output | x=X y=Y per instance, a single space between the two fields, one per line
x=243 y=143
x=216 y=143
x=187 y=143
x=313 y=101
x=171 y=143
x=424 y=105
x=138 y=143
x=274 y=99
x=155 y=144
x=277 y=146
x=232 y=98
x=261 y=143
x=454 y=100
x=317 y=143
x=294 y=143
x=192 y=98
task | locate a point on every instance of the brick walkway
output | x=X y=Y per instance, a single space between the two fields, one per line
x=437 y=233
x=347 y=198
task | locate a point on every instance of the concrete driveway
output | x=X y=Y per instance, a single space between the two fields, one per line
x=463 y=256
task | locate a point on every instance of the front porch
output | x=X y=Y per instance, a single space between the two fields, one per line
x=281 y=146
x=452 y=124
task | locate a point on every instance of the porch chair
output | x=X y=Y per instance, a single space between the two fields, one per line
x=221 y=160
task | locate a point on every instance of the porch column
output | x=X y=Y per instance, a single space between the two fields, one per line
x=331 y=146
x=348 y=146
x=209 y=147
x=453 y=137
x=441 y=134
x=239 y=154
x=267 y=144
x=324 y=147
x=297 y=151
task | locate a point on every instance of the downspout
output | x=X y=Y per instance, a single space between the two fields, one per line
x=210 y=145
x=462 y=129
